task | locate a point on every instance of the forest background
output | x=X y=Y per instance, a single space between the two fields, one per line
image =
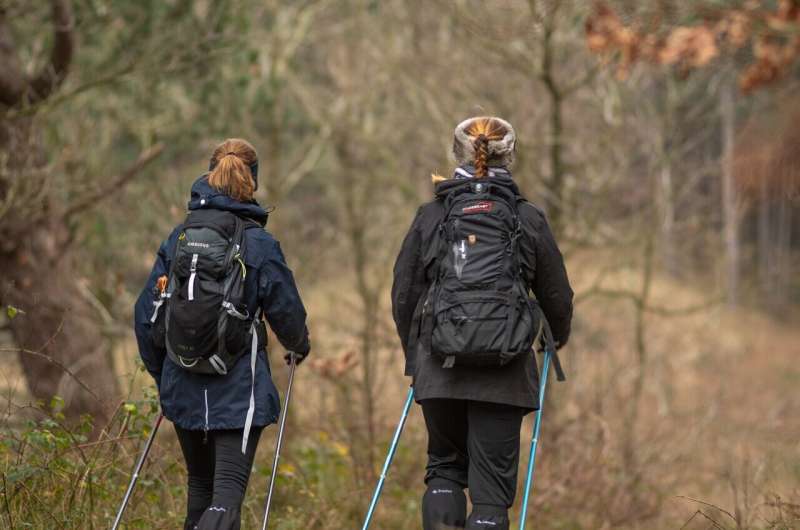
x=661 y=137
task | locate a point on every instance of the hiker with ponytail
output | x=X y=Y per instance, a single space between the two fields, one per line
x=462 y=304
x=200 y=326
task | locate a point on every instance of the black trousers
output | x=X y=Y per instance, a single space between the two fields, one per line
x=218 y=474
x=475 y=445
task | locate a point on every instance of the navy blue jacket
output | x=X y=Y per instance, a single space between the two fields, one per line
x=209 y=402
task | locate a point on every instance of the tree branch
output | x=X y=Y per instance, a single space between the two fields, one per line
x=57 y=364
x=308 y=163
x=637 y=300
x=54 y=72
x=12 y=80
x=93 y=198
x=722 y=510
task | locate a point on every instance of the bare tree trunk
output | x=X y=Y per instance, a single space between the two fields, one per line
x=557 y=182
x=356 y=197
x=764 y=258
x=56 y=319
x=783 y=248
x=60 y=345
x=640 y=302
x=668 y=219
x=729 y=198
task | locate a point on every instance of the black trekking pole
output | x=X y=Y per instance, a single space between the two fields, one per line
x=137 y=469
x=293 y=364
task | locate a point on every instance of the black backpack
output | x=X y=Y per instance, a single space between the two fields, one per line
x=478 y=310
x=204 y=325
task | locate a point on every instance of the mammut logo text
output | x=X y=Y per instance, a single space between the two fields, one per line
x=197 y=244
x=478 y=207
x=437 y=491
x=485 y=522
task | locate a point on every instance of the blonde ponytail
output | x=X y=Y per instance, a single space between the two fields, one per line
x=230 y=169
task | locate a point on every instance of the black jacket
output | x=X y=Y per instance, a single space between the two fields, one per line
x=516 y=383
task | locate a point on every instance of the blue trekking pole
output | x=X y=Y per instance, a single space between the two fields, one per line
x=549 y=355
x=389 y=459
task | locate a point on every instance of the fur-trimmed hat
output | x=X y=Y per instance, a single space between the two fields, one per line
x=501 y=152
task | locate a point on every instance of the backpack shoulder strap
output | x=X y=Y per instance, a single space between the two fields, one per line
x=454 y=193
x=174 y=257
x=506 y=195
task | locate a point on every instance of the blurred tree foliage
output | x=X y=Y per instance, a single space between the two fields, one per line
x=91 y=92
x=109 y=110
x=351 y=105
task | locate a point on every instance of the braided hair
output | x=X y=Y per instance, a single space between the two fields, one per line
x=483 y=131
x=481 y=145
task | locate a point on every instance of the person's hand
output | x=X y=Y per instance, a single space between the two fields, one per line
x=298 y=357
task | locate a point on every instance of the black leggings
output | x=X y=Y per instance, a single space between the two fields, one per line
x=475 y=445
x=218 y=474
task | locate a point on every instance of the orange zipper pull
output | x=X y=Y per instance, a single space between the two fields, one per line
x=161 y=283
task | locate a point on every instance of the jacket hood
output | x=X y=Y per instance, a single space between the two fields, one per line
x=204 y=196
x=443 y=188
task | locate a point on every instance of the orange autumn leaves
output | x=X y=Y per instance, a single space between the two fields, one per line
x=772 y=35
x=335 y=367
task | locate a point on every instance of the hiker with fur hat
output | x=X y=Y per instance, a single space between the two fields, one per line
x=202 y=338
x=462 y=306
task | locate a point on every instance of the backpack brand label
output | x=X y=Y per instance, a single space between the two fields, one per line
x=478 y=207
x=197 y=244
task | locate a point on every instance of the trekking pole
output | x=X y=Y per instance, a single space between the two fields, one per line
x=389 y=458
x=137 y=469
x=293 y=365
x=550 y=355
x=535 y=440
